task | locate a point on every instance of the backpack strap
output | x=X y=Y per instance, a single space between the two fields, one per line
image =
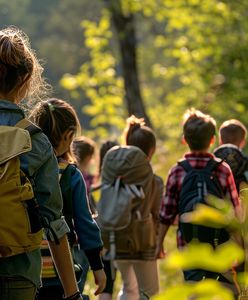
x=184 y=163
x=29 y=126
x=213 y=164
x=65 y=184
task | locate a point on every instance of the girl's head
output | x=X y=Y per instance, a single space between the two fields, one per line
x=20 y=71
x=83 y=150
x=139 y=135
x=59 y=122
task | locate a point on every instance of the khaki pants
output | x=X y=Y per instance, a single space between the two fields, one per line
x=140 y=279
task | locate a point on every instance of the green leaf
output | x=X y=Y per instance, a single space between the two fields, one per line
x=220 y=260
x=204 y=290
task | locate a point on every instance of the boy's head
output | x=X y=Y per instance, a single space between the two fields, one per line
x=232 y=132
x=198 y=129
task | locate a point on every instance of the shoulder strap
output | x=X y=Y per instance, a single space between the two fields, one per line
x=213 y=164
x=66 y=172
x=28 y=125
x=185 y=165
x=65 y=183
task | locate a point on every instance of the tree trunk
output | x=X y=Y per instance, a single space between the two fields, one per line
x=124 y=26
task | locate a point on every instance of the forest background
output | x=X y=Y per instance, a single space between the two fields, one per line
x=151 y=58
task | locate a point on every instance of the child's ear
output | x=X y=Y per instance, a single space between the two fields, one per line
x=183 y=140
x=68 y=135
x=212 y=140
x=242 y=144
x=151 y=152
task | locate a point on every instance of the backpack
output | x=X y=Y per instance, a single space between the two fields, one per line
x=48 y=270
x=197 y=184
x=124 y=207
x=237 y=161
x=20 y=227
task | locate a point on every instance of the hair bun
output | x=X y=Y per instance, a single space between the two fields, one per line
x=135 y=122
x=10 y=55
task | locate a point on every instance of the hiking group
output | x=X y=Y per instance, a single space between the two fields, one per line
x=57 y=220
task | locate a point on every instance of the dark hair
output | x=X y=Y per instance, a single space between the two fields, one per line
x=104 y=149
x=19 y=65
x=82 y=147
x=54 y=117
x=232 y=131
x=198 y=129
x=139 y=135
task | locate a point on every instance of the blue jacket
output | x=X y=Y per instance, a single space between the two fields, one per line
x=86 y=228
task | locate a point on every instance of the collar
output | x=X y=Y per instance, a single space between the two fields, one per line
x=198 y=155
x=223 y=146
x=10 y=106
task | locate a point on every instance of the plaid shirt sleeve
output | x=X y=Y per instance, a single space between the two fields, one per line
x=169 y=205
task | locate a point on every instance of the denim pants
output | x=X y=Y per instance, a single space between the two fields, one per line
x=16 y=288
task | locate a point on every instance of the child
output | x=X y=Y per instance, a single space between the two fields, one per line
x=20 y=77
x=83 y=150
x=139 y=271
x=109 y=265
x=199 y=130
x=59 y=122
x=232 y=138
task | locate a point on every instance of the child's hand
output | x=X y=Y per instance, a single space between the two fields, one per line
x=162 y=254
x=100 y=280
x=159 y=252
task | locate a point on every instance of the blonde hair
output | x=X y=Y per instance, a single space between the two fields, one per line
x=19 y=66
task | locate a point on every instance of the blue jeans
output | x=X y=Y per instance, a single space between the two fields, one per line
x=16 y=288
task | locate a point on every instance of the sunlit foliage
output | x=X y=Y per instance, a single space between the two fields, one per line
x=100 y=81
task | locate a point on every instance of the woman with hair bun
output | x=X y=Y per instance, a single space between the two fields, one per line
x=21 y=77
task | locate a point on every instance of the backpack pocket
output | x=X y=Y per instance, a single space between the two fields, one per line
x=139 y=236
x=115 y=207
x=15 y=231
x=144 y=233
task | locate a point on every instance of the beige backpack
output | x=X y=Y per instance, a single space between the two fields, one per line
x=20 y=227
x=126 y=200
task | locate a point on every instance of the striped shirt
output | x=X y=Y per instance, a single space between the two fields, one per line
x=169 y=206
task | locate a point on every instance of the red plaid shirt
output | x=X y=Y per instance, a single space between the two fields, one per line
x=169 y=206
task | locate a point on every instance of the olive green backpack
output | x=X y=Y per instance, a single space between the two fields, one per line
x=20 y=226
x=126 y=200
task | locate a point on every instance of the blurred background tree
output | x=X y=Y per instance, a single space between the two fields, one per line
x=157 y=58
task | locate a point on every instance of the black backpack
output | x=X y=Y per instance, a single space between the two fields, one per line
x=197 y=184
x=237 y=161
x=65 y=185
